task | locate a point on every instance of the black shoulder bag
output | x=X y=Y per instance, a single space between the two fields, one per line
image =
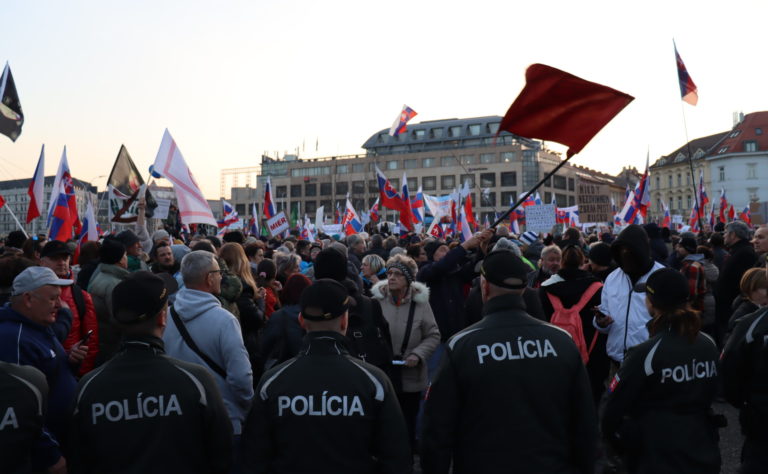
x=191 y=343
x=396 y=374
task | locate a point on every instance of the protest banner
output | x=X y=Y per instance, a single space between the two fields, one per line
x=594 y=202
x=540 y=218
x=278 y=224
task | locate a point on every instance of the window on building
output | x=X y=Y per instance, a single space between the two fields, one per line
x=571 y=184
x=658 y=203
x=658 y=182
x=429 y=183
x=413 y=184
x=488 y=180
x=326 y=189
x=435 y=133
x=509 y=178
x=295 y=190
x=358 y=168
x=429 y=162
x=358 y=203
x=670 y=181
x=454 y=131
x=240 y=209
x=468 y=159
x=281 y=191
x=507 y=156
x=721 y=173
x=310 y=207
x=751 y=170
x=410 y=164
x=493 y=127
x=560 y=199
x=559 y=182
x=371 y=202
x=470 y=178
x=722 y=150
x=392 y=165
x=758 y=131
x=395 y=183
x=735 y=133
x=373 y=186
x=688 y=201
x=310 y=189
x=571 y=201
x=687 y=179
x=326 y=206
x=380 y=138
x=474 y=129
x=358 y=187
x=447 y=161
x=750 y=146
x=753 y=194
x=447 y=182
x=489 y=199
x=419 y=134
x=679 y=179
x=342 y=188
x=342 y=169
x=487 y=158
x=680 y=203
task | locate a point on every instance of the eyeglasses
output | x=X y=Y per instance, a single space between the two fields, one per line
x=220 y=272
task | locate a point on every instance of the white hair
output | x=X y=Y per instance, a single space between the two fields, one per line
x=195 y=266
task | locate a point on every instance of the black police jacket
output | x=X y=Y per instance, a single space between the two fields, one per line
x=23 y=400
x=325 y=411
x=511 y=395
x=745 y=373
x=658 y=410
x=146 y=412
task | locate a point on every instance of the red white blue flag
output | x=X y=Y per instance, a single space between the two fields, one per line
x=253 y=224
x=688 y=90
x=406 y=213
x=388 y=195
x=269 y=206
x=417 y=206
x=352 y=224
x=35 y=190
x=399 y=126
x=375 y=211
x=64 y=178
x=229 y=215
x=723 y=206
x=746 y=216
x=61 y=220
x=667 y=221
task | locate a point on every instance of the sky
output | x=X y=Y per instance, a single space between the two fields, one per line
x=233 y=79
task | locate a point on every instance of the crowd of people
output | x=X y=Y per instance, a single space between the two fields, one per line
x=367 y=353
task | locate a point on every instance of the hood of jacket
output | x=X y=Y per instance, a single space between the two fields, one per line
x=191 y=303
x=419 y=291
x=634 y=239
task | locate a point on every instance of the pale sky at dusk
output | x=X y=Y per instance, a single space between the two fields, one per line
x=232 y=79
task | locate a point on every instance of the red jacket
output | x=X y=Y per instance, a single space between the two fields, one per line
x=80 y=326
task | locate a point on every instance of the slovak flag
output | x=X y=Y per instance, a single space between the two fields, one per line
x=352 y=224
x=64 y=177
x=375 y=211
x=88 y=233
x=388 y=195
x=561 y=217
x=35 y=190
x=723 y=206
x=398 y=126
x=337 y=217
x=537 y=199
x=746 y=215
x=529 y=201
x=712 y=216
x=465 y=229
x=688 y=90
x=667 y=221
x=637 y=202
x=436 y=230
x=703 y=198
x=230 y=215
x=731 y=213
x=253 y=224
x=61 y=221
x=269 y=205
x=406 y=213
x=417 y=206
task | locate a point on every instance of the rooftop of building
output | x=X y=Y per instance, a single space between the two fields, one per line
x=748 y=136
x=24 y=183
x=444 y=134
x=699 y=148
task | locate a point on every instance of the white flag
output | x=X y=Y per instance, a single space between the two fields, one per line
x=193 y=208
x=319 y=217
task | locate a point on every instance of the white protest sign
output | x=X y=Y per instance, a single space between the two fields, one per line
x=677 y=219
x=161 y=211
x=540 y=218
x=332 y=229
x=278 y=224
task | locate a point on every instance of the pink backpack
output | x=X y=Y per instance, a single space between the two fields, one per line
x=569 y=319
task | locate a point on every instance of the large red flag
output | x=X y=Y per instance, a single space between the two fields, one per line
x=561 y=107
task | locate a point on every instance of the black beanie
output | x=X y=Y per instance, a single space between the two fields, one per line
x=330 y=263
x=112 y=251
x=600 y=253
x=431 y=247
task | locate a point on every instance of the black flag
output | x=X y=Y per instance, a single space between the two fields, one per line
x=125 y=178
x=11 y=116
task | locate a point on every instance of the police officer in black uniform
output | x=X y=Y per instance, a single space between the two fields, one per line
x=658 y=411
x=24 y=445
x=745 y=386
x=512 y=394
x=325 y=411
x=144 y=411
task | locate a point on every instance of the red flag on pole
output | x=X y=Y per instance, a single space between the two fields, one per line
x=558 y=106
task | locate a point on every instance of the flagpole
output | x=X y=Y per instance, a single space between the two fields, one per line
x=531 y=191
x=17 y=221
x=690 y=165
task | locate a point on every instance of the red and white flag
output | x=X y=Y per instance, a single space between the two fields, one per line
x=193 y=208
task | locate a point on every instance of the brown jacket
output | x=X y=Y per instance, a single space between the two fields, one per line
x=425 y=336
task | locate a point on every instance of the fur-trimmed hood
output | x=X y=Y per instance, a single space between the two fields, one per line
x=419 y=291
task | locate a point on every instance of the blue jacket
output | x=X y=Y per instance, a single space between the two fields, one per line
x=25 y=342
x=217 y=333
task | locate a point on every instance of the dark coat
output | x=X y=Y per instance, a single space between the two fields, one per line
x=742 y=258
x=282 y=337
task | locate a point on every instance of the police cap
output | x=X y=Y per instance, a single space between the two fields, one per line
x=505 y=269
x=325 y=299
x=666 y=288
x=141 y=296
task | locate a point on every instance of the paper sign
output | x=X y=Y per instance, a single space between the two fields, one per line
x=677 y=219
x=161 y=211
x=540 y=218
x=332 y=229
x=278 y=224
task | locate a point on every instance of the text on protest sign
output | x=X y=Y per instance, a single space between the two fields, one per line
x=540 y=218
x=594 y=203
x=278 y=224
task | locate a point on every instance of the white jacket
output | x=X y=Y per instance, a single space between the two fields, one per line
x=627 y=308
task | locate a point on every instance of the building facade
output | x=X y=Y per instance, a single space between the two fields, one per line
x=438 y=156
x=17 y=200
